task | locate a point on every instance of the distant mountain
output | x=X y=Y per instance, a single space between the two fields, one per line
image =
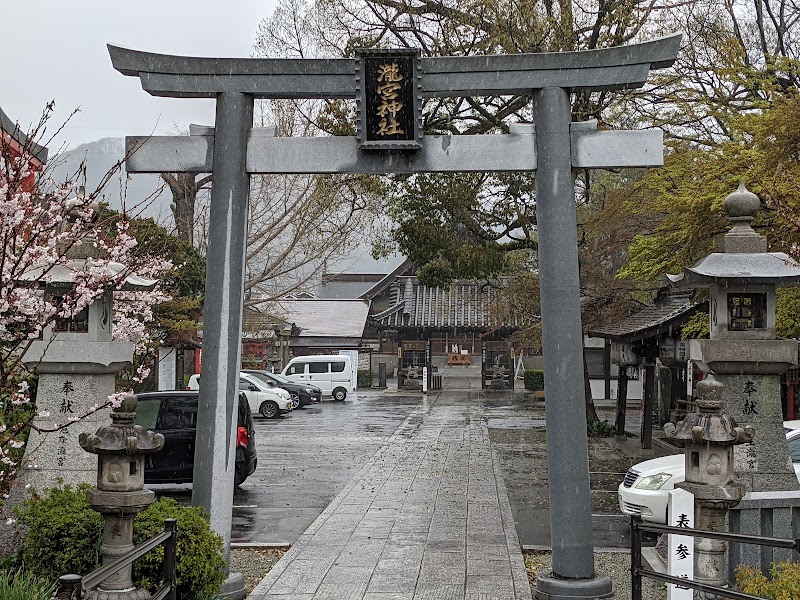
x=100 y=157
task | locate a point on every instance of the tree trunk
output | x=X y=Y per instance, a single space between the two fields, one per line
x=184 y=188
x=591 y=411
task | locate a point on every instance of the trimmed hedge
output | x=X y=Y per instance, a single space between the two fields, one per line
x=534 y=380
x=64 y=535
x=364 y=378
x=201 y=568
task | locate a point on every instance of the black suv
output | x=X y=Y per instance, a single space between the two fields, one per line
x=303 y=393
x=174 y=414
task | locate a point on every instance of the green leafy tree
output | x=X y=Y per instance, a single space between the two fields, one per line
x=676 y=214
x=178 y=318
x=461 y=225
x=725 y=107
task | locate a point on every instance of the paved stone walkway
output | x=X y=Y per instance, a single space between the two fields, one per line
x=427 y=518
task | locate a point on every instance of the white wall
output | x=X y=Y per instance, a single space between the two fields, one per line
x=634 y=389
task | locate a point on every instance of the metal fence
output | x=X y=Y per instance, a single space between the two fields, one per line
x=638 y=572
x=73 y=587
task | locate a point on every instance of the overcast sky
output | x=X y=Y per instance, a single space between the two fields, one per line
x=56 y=50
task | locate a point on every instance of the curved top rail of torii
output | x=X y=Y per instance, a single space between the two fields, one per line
x=616 y=68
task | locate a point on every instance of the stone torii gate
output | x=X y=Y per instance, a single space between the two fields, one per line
x=552 y=146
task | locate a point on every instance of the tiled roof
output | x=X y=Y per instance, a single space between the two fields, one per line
x=462 y=304
x=325 y=318
x=667 y=312
x=377 y=288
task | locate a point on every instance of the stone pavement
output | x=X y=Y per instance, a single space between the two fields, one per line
x=427 y=518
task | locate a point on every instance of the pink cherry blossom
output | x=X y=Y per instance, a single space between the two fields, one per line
x=41 y=223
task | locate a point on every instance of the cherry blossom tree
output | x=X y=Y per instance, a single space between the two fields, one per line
x=44 y=226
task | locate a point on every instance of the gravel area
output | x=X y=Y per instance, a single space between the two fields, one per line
x=616 y=565
x=254 y=563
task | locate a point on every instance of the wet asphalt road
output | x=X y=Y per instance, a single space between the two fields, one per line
x=307 y=457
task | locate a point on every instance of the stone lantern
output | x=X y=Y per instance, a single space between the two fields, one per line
x=120 y=494
x=708 y=438
x=77 y=360
x=742 y=351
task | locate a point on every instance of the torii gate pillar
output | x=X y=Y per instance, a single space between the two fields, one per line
x=553 y=147
x=567 y=454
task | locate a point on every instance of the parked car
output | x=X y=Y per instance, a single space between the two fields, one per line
x=645 y=490
x=174 y=414
x=252 y=386
x=331 y=373
x=268 y=402
x=302 y=393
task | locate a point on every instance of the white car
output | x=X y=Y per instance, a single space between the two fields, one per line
x=644 y=491
x=250 y=384
x=269 y=402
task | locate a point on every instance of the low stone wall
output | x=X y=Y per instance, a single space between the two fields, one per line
x=773 y=514
x=391 y=365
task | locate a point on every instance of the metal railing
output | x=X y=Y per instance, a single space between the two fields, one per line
x=637 y=571
x=73 y=587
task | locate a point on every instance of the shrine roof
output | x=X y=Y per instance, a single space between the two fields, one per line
x=405 y=267
x=666 y=313
x=465 y=304
x=12 y=129
x=324 y=318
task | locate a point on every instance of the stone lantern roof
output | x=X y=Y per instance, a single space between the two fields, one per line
x=78 y=254
x=776 y=268
x=123 y=436
x=63 y=276
x=743 y=258
x=710 y=424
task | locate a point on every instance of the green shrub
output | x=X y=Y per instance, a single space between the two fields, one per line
x=21 y=585
x=534 y=380
x=64 y=535
x=364 y=378
x=11 y=561
x=783 y=582
x=602 y=428
x=201 y=568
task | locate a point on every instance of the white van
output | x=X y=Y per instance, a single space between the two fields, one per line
x=331 y=373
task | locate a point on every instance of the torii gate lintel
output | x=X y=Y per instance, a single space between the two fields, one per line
x=515 y=151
